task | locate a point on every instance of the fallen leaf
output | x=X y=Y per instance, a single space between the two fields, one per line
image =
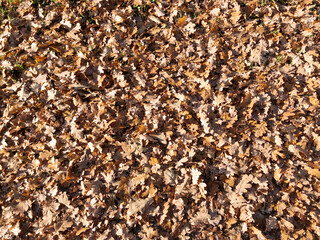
x=258 y=233
x=277 y=174
x=40 y=58
x=235 y=15
x=81 y=230
x=182 y=21
x=313 y=172
x=138 y=205
x=244 y=184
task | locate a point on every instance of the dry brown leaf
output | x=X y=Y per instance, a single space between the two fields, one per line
x=244 y=184
x=297 y=150
x=201 y=216
x=81 y=230
x=182 y=21
x=140 y=178
x=62 y=226
x=151 y=232
x=152 y=191
x=258 y=233
x=153 y=161
x=314 y=100
x=307 y=2
x=291 y=113
x=23 y=206
x=230 y=181
x=287 y=225
x=141 y=128
x=138 y=205
x=40 y=59
x=195 y=173
x=313 y=172
x=235 y=15
x=316 y=139
x=261 y=129
x=46 y=155
x=277 y=174
x=231 y=221
x=127 y=148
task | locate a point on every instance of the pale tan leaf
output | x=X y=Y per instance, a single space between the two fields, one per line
x=287 y=225
x=244 y=184
x=138 y=205
x=81 y=230
x=277 y=174
x=23 y=206
x=235 y=15
x=313 y=172
x=195 y=173
x=314 y=100
x=316 y=139
x=46 y=155
x=258 y=233
x=260 y=129
x=62 y=226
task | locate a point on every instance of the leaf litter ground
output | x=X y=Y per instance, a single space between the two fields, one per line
x=159 y=120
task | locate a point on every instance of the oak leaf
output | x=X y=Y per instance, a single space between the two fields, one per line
x=244 y=184
x=138 y=205
x=235 y=15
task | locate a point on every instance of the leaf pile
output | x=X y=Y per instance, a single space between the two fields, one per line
x=159 y=119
